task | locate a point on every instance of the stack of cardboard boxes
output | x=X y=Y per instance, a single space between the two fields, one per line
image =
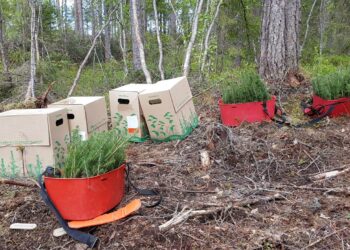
x=32 y=139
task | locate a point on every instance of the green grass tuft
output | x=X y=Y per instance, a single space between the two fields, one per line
x=101 y=153
x=332 y=86
x=248 y=88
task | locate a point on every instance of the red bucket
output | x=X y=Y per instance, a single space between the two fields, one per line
x=235 y=114
x=341 y=107
x=86 y=198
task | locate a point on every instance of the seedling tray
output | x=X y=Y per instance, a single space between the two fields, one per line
x=341 y=106
x=235 y=114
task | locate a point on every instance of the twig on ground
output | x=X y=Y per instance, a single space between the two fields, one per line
x=185 y=213
x=324 y=238
x=328 y=175
x=16 y=183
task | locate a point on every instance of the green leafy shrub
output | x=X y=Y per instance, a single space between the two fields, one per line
x=332 y=86
x=248 y=88
x=101 y=153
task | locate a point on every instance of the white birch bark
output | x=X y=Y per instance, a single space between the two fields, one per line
x=31 y=84
x=122 y=37
x=139 y=43
x=3 y=50
x=207 y=37
x=160 y=46
x=307 y=26
x=186 y=65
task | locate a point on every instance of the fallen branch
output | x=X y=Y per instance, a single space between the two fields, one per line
x=16 y=183
x=322 y=239
x=185 y=213
x=328 y=175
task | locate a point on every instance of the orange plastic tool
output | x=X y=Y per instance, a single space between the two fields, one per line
x=121 y=213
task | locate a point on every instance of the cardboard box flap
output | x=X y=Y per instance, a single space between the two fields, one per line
x=78 y=100
x=133 y=87
x=27 y=128
x=180 y=91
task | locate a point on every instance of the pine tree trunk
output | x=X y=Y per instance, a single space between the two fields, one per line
x=107 y=37
x=172 y=21
x=31 y=84
x=137 y=40
x=279 y=39
x=160 y=46
x=79 y=23
x=140 y=20
x=93 y=18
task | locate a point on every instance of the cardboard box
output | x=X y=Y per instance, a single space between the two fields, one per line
x=169 y=109
x=86 y=114
x=126 y=112
x=31 y=140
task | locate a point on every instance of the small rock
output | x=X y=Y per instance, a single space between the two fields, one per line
x=58 y=232
x=295 y=142
x=205 y=177
x=80 y=246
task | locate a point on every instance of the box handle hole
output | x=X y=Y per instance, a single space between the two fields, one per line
x=155 y=101
x=59 y=122
x=123 y=101
x=70 y=116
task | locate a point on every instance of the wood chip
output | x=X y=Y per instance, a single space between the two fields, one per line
x=23 y=226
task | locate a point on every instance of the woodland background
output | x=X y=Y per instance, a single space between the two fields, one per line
x=62 y=32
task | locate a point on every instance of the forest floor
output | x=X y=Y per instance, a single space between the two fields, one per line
x=259 y=192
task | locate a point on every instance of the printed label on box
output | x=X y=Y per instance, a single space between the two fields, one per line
x=83 y=135
x=133 y=124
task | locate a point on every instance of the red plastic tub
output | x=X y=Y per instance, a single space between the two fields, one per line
x=86 y=198
x=235 y=114
x=341 y=107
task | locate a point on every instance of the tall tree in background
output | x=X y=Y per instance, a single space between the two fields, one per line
x=186 y=66
x=107 y=37
x=33 y=36
x=279 y=39
x=78 y=15
x=137 y=40
x=122 y=36
x=172 y=20
x=3 y=48
x=139 y=10
x=160 y=46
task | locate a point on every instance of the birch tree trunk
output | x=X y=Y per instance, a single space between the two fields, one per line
x=207 y=37
x=138 y=41
x=107 y=37
x=79 y=23
x=307 y=26
x=323 y=17
x=160 y=46
x=186 y=65
x=3 y=50
x=140 y=20
x=31 y=84
x=279 y=39
x=122 y=36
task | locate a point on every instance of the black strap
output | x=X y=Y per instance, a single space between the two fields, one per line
x=317 y=119
x=282 y=121
x=80 y=236
x=144 y=192
x=281 y=118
